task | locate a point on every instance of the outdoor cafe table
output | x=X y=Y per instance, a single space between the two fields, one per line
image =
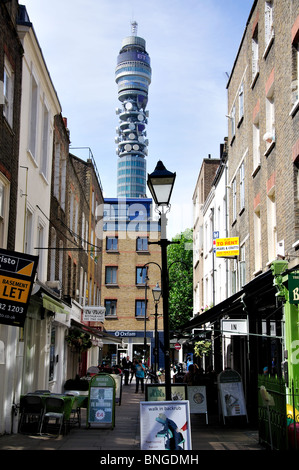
x=70 y=402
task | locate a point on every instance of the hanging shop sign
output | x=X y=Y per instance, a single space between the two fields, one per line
x=94 y=314
x=101 y=401
x=17 y=271
x=227 y=247
x=234 y=327
x=293 y=286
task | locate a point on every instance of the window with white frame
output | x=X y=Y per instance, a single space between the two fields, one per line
x=269 y=136
x=33 y=117
x=295 y=71
x=53 y=254
x=257 y=240
x=271 y=225
x=110 y=306
x=60 y=262
x=45 y=141
x=256 y=143
x=8 y=91
x=255 y=54
x=234 y=277
x=234 y=194
x=242 y=266
x=40 y=240
x=28 y=231
x=63 y=183
x=242 y=186
x=269 y=30
x=56 y=175
x=241 y=101
x=233 y=121
x=4 y=210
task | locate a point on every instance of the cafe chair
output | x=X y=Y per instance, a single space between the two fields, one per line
x=31 y=409
x=75 y=416
x=53 y=416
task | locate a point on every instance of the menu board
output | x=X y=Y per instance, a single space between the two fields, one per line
x=231 y=394
x=101 y=401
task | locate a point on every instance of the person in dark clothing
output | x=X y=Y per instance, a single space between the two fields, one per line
x=133 y=369
x=126 y=363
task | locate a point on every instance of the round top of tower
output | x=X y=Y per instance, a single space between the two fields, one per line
x=134 y=41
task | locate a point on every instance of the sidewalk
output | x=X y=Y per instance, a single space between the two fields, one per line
x=126 y=433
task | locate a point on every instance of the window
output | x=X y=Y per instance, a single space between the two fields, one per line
x=141 y=275
x=28 y=231
x=241 y=101
x=111 y=275
x=234 y=190
x=40 y=245
x=256 y=143
x=271 y=225
x=142 y=244
x=140 y=308
x=111 y=243
x=233 y=121
x=33 y=117
x=234 y=277
x=255 y=54
x=257 y=240
x=269 y=136
x=242 y=266
x=295 y=66
x=45 y=142
x=242 y=186
x=110 y=306
x=269 y=31
x=52 y=353
x=8 y=91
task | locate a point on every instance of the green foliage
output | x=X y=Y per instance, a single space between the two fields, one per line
x=202 y=348
x=78 y=340
x=180 y=269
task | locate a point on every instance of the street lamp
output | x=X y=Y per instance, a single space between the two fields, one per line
x=156 y=294
x=160 y=183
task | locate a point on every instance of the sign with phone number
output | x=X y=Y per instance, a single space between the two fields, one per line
x=17 y=271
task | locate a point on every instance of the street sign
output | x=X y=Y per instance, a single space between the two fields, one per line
x=17 y=271
x=177 y=346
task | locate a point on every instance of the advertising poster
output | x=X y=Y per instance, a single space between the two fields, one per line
x=231 y=394
x=156 y=392
x=17 y=272
x=165 y=426
x=197 y=398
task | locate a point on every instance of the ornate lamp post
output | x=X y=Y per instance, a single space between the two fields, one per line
x=156 y=291
x=160 y=183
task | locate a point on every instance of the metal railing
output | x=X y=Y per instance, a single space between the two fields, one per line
x=277 y=422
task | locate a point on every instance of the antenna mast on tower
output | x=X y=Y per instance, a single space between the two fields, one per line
x=134 y=26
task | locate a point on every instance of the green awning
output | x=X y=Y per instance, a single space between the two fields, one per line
x=53 y=305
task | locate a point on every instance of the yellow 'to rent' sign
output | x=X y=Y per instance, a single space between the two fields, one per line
x=227 y=247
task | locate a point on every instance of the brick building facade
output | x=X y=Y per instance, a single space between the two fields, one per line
x=128 y=229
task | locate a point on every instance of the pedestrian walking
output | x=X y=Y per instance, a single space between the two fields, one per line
x=133 y=369
x=140 y=376
x=126 y=363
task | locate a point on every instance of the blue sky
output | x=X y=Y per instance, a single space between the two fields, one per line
x=192 y=45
